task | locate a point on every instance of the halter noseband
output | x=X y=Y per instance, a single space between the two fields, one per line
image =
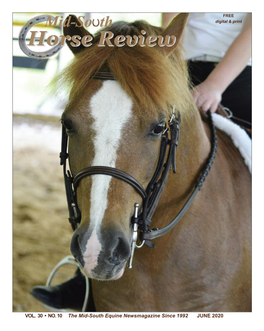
x=150 y=196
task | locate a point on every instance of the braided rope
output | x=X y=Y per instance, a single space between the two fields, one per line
x=212 y=154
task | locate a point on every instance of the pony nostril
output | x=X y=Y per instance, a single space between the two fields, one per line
x=76 y=249
x=115 y=258
x=120 y=252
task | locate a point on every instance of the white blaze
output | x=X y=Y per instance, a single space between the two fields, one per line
x=111 y=109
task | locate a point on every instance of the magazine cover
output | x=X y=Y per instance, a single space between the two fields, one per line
x=132 y=165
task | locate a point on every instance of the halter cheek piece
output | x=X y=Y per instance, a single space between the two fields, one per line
x=150 y=196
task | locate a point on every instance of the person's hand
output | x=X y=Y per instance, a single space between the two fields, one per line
x=207 y=96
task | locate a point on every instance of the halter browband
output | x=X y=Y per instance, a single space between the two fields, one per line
x=153 y=192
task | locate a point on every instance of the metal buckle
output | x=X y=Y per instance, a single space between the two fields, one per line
x=173 y=115
x=135 y=236
x=172 y=118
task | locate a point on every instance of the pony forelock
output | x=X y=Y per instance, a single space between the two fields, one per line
x=150 y=78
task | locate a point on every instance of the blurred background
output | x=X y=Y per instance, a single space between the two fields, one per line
x=41 y=231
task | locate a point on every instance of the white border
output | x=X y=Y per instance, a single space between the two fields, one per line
x=231 y=320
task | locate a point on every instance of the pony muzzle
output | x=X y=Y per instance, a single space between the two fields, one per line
x=103 y=257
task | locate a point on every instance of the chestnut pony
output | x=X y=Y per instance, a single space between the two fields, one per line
x=204 y=262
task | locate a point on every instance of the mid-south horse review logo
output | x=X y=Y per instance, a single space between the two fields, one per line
x=107 y=38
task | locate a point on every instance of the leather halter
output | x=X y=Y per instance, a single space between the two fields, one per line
x=150 y=196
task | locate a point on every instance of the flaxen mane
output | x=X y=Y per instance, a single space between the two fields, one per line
x=152 y=79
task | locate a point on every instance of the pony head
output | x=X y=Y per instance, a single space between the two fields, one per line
x=118 y=123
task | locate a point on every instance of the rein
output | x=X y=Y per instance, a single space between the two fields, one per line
x=150 y=196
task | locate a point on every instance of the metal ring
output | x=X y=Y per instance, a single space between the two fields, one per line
x=229 y=112
x=141 y=245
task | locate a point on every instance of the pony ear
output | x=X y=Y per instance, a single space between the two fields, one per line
x=72 y=30
x=175 y=28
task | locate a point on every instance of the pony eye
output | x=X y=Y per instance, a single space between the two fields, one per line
x=68 y=125
x=158 y=129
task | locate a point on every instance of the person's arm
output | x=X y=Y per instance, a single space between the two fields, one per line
x=208 y=94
